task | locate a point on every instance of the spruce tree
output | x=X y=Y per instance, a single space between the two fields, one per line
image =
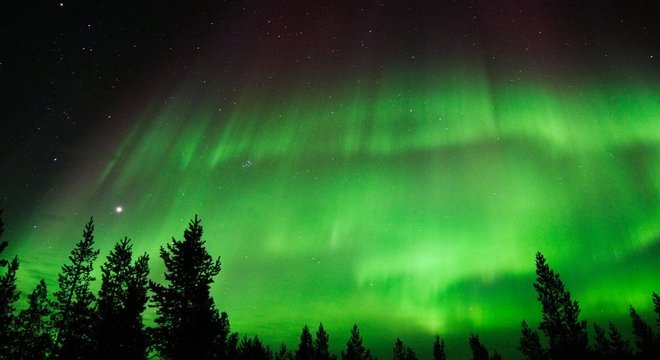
x=479 y=351
x=306 y=347
x=656 y=307
x=567 y=335
x=188 y=324
x=399 y=351
x=322 y=345
x=495 y=356
x=8 y=297
x=3 y=243
x=620 y=347
x=439 y=349
x=33 y=326
x=253 y=349
x=602 y=346
x=530 y=344
x=122 y=300
x=402 y=352
x=355 y=350
x=73 y=314
x=644 y=338
x=283 y=353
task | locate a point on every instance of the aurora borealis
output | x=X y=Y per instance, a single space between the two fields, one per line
x=392 y=166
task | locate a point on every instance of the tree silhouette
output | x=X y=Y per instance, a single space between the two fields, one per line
x=602 y=346
x=644 y=338
x=530 y=344
x=33 y=326
x=620 y=348
x=122 y=299
x=566 y=334
x=3 y=244
x=231 y=351
x=479 y=351
x=656 y=307
x=188 y=323
x=355 y=350
x=253 y=349
x=73 y=314
x=283 y=353
x=322 y=345
x=305 y=349
x=439 y=349
x=402 y=352
x=8 y=297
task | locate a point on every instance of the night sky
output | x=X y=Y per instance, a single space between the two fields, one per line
x=394 y=164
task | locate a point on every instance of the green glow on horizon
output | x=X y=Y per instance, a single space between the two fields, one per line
x=412 y=203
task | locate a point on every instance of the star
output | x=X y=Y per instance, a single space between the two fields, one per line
x=119 y=209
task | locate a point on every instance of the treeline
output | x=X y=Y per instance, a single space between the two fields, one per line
x=75 y=323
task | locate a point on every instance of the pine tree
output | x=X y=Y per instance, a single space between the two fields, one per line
x=322 y=345
x=283 y=353
x=188 y=323
x=439 y=349
x=3 y=244
x=122 y=299
x=33 y=326
x=479 y=351
x=73 y=314
x=253 y=349
x=355 y=350
x=402 y=352
x=8 y=297
x=231 y=347
x=566 y=334
x=530 y=344
x=620 y=347
x=306 y=347
x=602 y=346
x=495 y=356
x=656 y=307
x=399 y=351
x=644 y=338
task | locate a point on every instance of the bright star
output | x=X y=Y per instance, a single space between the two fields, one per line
x=119 y=209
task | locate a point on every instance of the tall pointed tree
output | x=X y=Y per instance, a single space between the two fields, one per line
x=3 y=243
x=479 y=351
x=402 y=352
x=644 y=338
x=656 y=307
x=355 y=350
x=188 y=324
x=602 y=346
x=439 y=349
x=305 y=349
x=620 y=347
x=530 y=344
x=322 y=345
x=73 y=314
x=567 y=334
x=122 y=300
x=254 y=349
x=8 y=297
x=33 y=326
x=283 y=353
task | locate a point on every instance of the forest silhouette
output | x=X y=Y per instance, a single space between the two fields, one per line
x=75 y=323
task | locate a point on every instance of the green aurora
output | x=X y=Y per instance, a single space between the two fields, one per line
x=411 y=203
